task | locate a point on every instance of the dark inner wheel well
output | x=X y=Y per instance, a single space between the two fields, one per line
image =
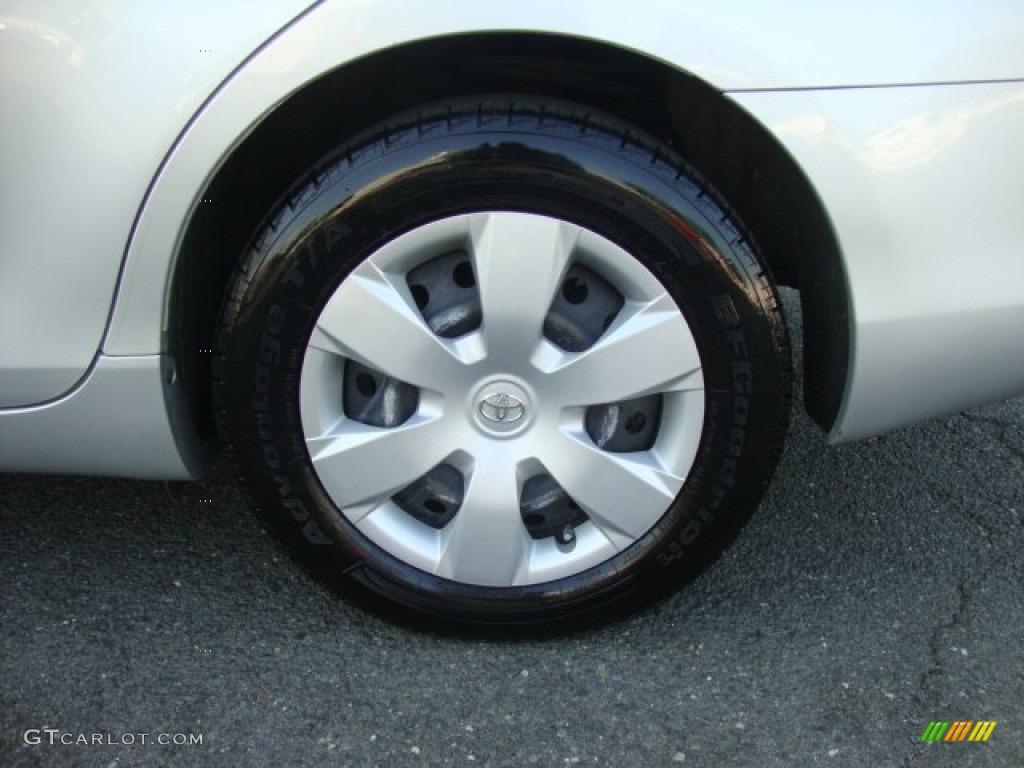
x=758 y=179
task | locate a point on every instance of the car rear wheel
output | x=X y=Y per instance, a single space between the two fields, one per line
x=505 y=365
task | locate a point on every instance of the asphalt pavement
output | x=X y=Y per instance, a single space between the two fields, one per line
x=880 y=587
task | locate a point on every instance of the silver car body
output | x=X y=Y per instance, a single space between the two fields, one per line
x=905 y=119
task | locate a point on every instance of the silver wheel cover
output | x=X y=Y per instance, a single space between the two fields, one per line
x=501 y=403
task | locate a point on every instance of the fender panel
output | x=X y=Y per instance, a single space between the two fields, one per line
x=924 y=189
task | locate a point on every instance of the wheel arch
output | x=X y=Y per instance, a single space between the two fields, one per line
x=753 y=172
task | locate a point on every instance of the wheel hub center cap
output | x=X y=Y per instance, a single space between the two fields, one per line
x=502 y=407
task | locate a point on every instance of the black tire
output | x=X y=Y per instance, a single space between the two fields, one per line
x=544 y=158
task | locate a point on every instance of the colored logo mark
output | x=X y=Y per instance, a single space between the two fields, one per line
x=958 y=730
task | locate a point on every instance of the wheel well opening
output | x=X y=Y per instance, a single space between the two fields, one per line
x=756 y=177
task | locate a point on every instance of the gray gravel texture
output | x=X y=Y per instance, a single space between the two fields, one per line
x=879 y=587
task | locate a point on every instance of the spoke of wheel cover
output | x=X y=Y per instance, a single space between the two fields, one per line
x=519 y=260
x=487 y=542
x=362 y=464
x=369 y=320
x=647 y=352
x=623 y=495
